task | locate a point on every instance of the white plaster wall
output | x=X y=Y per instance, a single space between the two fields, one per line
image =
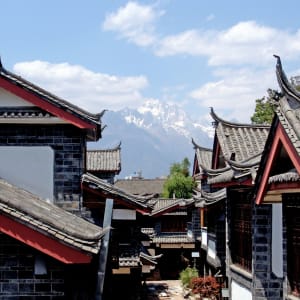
x=9 y=99
x=211 y=249
x=204 y=238
x=239 y=292
x=277 y=251
x=30 y=168
x=124 y=214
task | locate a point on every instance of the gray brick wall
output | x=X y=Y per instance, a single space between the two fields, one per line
x=68 y=143
x=19 y=281
x=265 y=284
x=17 y=276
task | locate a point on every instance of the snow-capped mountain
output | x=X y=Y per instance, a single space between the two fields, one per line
x=152 y=137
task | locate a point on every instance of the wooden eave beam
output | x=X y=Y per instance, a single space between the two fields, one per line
x=247 y=182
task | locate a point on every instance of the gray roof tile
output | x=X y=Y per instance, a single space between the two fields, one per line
x=107 y=160
x=46 y=217
x=113 y=191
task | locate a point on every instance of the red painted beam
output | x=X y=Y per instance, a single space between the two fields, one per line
x=41 y=242
x=35 y=100
x=246 y=182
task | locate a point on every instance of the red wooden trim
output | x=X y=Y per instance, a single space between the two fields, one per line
x=279 y=139
x=32 y=98
x=42 y=242
x=247 y=182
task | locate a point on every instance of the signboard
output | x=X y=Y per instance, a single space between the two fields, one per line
x=195 y=254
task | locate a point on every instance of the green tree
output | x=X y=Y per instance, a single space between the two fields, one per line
x=264 y=109
x=179 y=183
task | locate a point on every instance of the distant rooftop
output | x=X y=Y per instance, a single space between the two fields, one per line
x=141 y=186
x=105 y=160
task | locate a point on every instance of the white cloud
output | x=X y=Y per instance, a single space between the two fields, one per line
x=134 y=22
x=234 y=94
x=243 y=43
x=84 y=88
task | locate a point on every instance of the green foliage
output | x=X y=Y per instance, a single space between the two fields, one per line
x=264 y=111
x=179 y=183
x=187 y=275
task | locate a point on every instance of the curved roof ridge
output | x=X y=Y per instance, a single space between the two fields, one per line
x=112 y=189
x=285 y=85
x=115 y=148
x=200 y=147
x=235 y=124
x=212 y=195
x=209 y=198
x=248 y=163
x=214 y=171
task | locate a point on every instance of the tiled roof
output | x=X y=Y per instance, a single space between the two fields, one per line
x=106 y=160
x=135 y=255
x=242 y=146
x=235 y=170
x=113 y=191
x=165 y=205
x=290 y=176
x=241 y=140
x=141 y=186
x=204 y=155
x=49 y=219
x=204 y=198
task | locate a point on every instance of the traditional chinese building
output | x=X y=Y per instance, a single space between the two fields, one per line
x=48 y=249
x=255 y=172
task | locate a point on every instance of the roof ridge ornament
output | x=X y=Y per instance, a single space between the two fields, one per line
x=285 y=86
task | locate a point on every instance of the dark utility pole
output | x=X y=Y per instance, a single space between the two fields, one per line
x=104 y=248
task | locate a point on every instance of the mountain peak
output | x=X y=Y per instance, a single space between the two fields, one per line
x=148 y=135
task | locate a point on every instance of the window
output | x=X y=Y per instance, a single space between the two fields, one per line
x=241 y=236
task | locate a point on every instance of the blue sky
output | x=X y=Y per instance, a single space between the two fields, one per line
x=111 y=54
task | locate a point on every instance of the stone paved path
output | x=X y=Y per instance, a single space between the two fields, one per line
x=164 y=290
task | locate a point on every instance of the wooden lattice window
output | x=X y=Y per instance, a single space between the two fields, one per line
x=241 y=235
x=292 y=210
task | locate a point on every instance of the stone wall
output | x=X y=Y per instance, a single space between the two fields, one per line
x=265 y=284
